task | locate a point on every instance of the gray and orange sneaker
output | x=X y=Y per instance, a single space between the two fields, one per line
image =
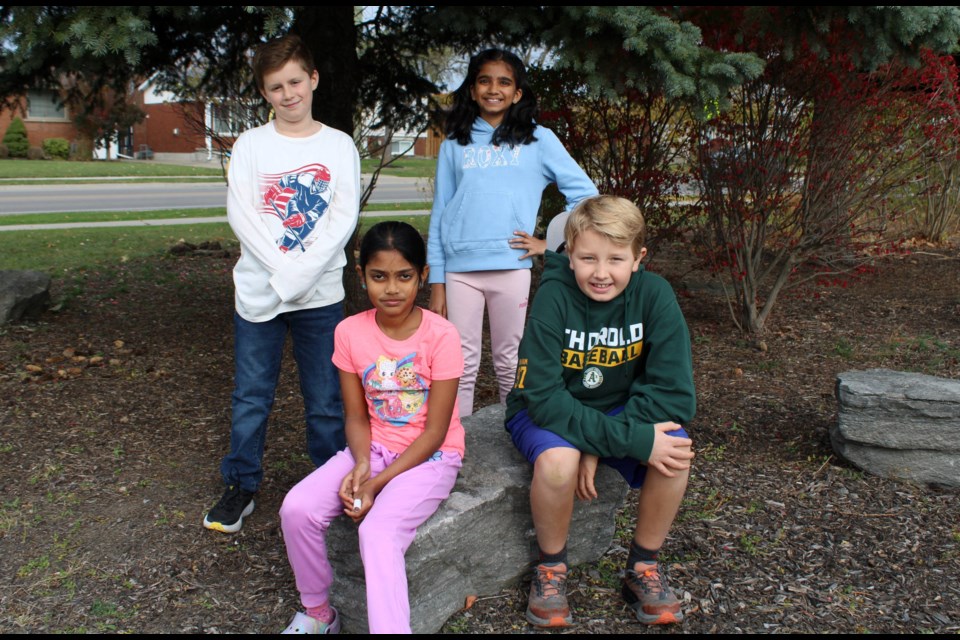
x=547 y=605
x=651 y=598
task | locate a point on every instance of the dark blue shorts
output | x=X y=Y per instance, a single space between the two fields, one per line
x=532 y=440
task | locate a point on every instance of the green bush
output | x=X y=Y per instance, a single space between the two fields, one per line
x=56 y=148
x=16 y=139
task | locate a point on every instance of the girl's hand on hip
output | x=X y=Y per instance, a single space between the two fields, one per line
x=533 y=246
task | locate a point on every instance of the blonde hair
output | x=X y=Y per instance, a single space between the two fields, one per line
x=615 y=218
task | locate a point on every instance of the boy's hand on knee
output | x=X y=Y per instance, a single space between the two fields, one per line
x=588 y=469
x=669 y=453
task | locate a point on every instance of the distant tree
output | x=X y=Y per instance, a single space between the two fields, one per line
x=804 y=163
x=632 y=145
x=932 y=198
x=89 y=55
x=16 y=139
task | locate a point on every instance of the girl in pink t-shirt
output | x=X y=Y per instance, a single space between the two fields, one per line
x=399 y=369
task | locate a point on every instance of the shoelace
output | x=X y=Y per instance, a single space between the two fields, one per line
x=550 y=583
x=234 y=499
x=649 y=580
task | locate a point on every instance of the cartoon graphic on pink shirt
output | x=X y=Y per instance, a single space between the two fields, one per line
x=395 y=389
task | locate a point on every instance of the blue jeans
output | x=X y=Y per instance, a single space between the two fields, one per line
x=258 y=351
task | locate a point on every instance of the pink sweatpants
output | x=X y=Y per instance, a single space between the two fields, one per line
x=385 y=533
x=506 y=294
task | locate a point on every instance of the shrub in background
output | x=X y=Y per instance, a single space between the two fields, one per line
x=16 y=139
x=4 y=151
x=56 y=148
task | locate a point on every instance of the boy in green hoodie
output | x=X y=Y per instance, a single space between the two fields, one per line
x=604 y=375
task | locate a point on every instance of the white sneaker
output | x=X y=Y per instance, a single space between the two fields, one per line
x=302 y=623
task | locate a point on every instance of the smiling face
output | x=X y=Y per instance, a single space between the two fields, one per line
x=602 y=268
x=289 y=90
x=392 y=283
x=495 y=91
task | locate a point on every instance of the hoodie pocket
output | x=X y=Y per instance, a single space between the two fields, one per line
x=481 y=221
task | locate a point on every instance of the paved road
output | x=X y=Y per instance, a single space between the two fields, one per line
x=148 y=196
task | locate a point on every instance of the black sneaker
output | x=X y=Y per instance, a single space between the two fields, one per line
x=228 y=514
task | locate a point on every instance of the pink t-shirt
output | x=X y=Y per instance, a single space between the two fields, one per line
x=396 y=375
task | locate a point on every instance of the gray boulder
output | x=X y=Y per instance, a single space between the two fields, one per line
x=481 y=540
x=23 y=294
x=900 y=425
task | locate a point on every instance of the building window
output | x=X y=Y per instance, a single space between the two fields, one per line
x=403 y=146
x=226 y=121
x=43 y=104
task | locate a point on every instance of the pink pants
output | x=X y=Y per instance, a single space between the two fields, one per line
x=385 y=533
x=506 y=292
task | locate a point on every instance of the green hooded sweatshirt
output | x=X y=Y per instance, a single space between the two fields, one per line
x=580 y=359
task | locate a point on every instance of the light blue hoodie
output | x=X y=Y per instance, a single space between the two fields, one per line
x=484 y=193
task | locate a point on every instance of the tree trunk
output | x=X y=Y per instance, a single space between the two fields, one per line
x=331 y=34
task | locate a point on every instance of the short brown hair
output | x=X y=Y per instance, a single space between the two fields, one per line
x=273 y=55
x=616 y=219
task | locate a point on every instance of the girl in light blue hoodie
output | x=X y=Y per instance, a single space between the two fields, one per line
x=491 y=173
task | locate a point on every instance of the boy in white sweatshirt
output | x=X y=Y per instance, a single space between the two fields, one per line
x=293 y=202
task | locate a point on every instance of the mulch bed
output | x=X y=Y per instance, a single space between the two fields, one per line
x=114 y=413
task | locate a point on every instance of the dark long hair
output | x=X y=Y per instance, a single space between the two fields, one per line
x=519 y=120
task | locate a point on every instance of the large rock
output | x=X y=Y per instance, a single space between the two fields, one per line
x=23 y=294
x=900 y=425
x=481 y=540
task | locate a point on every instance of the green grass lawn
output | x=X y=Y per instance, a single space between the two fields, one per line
x=52 y=169
x=108 y=216
x=61 y=250
x=404 y=167
x=12 y=170
x=65 y=249
x=167 y=214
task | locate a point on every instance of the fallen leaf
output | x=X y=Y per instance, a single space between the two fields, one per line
x=118 y=343
x=469 y=602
